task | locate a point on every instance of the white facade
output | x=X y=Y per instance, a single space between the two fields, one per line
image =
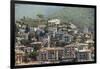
x=84 y=55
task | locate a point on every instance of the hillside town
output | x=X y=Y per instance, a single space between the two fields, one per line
x=53 y=40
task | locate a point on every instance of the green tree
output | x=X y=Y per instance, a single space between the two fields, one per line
x=33 y=55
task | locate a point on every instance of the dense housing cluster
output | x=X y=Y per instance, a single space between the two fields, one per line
x=45 y=41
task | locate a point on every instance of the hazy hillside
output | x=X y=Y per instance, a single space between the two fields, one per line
x=79 y=16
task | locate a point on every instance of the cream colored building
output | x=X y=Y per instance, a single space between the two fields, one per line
x=50 y=54
x=19 y=56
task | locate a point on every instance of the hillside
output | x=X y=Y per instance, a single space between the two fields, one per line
x=78 y=16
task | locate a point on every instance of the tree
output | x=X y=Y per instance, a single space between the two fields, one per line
x=40 y=17
x=33 y=54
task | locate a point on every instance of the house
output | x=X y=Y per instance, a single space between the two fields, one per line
x=26 y=49
x=36 y=45
x=53 y=54
x=19 y=56
x=70 y=52
x=67 y=38
x=50 y=54
x=84 y=55
x=54 y=21
x=82 y=46
x=64 y=37
x=73 y=29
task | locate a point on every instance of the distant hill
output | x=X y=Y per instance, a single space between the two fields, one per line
x=79 y=16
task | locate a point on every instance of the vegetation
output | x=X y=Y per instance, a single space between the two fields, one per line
x=33 y=55
x=79 y=16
